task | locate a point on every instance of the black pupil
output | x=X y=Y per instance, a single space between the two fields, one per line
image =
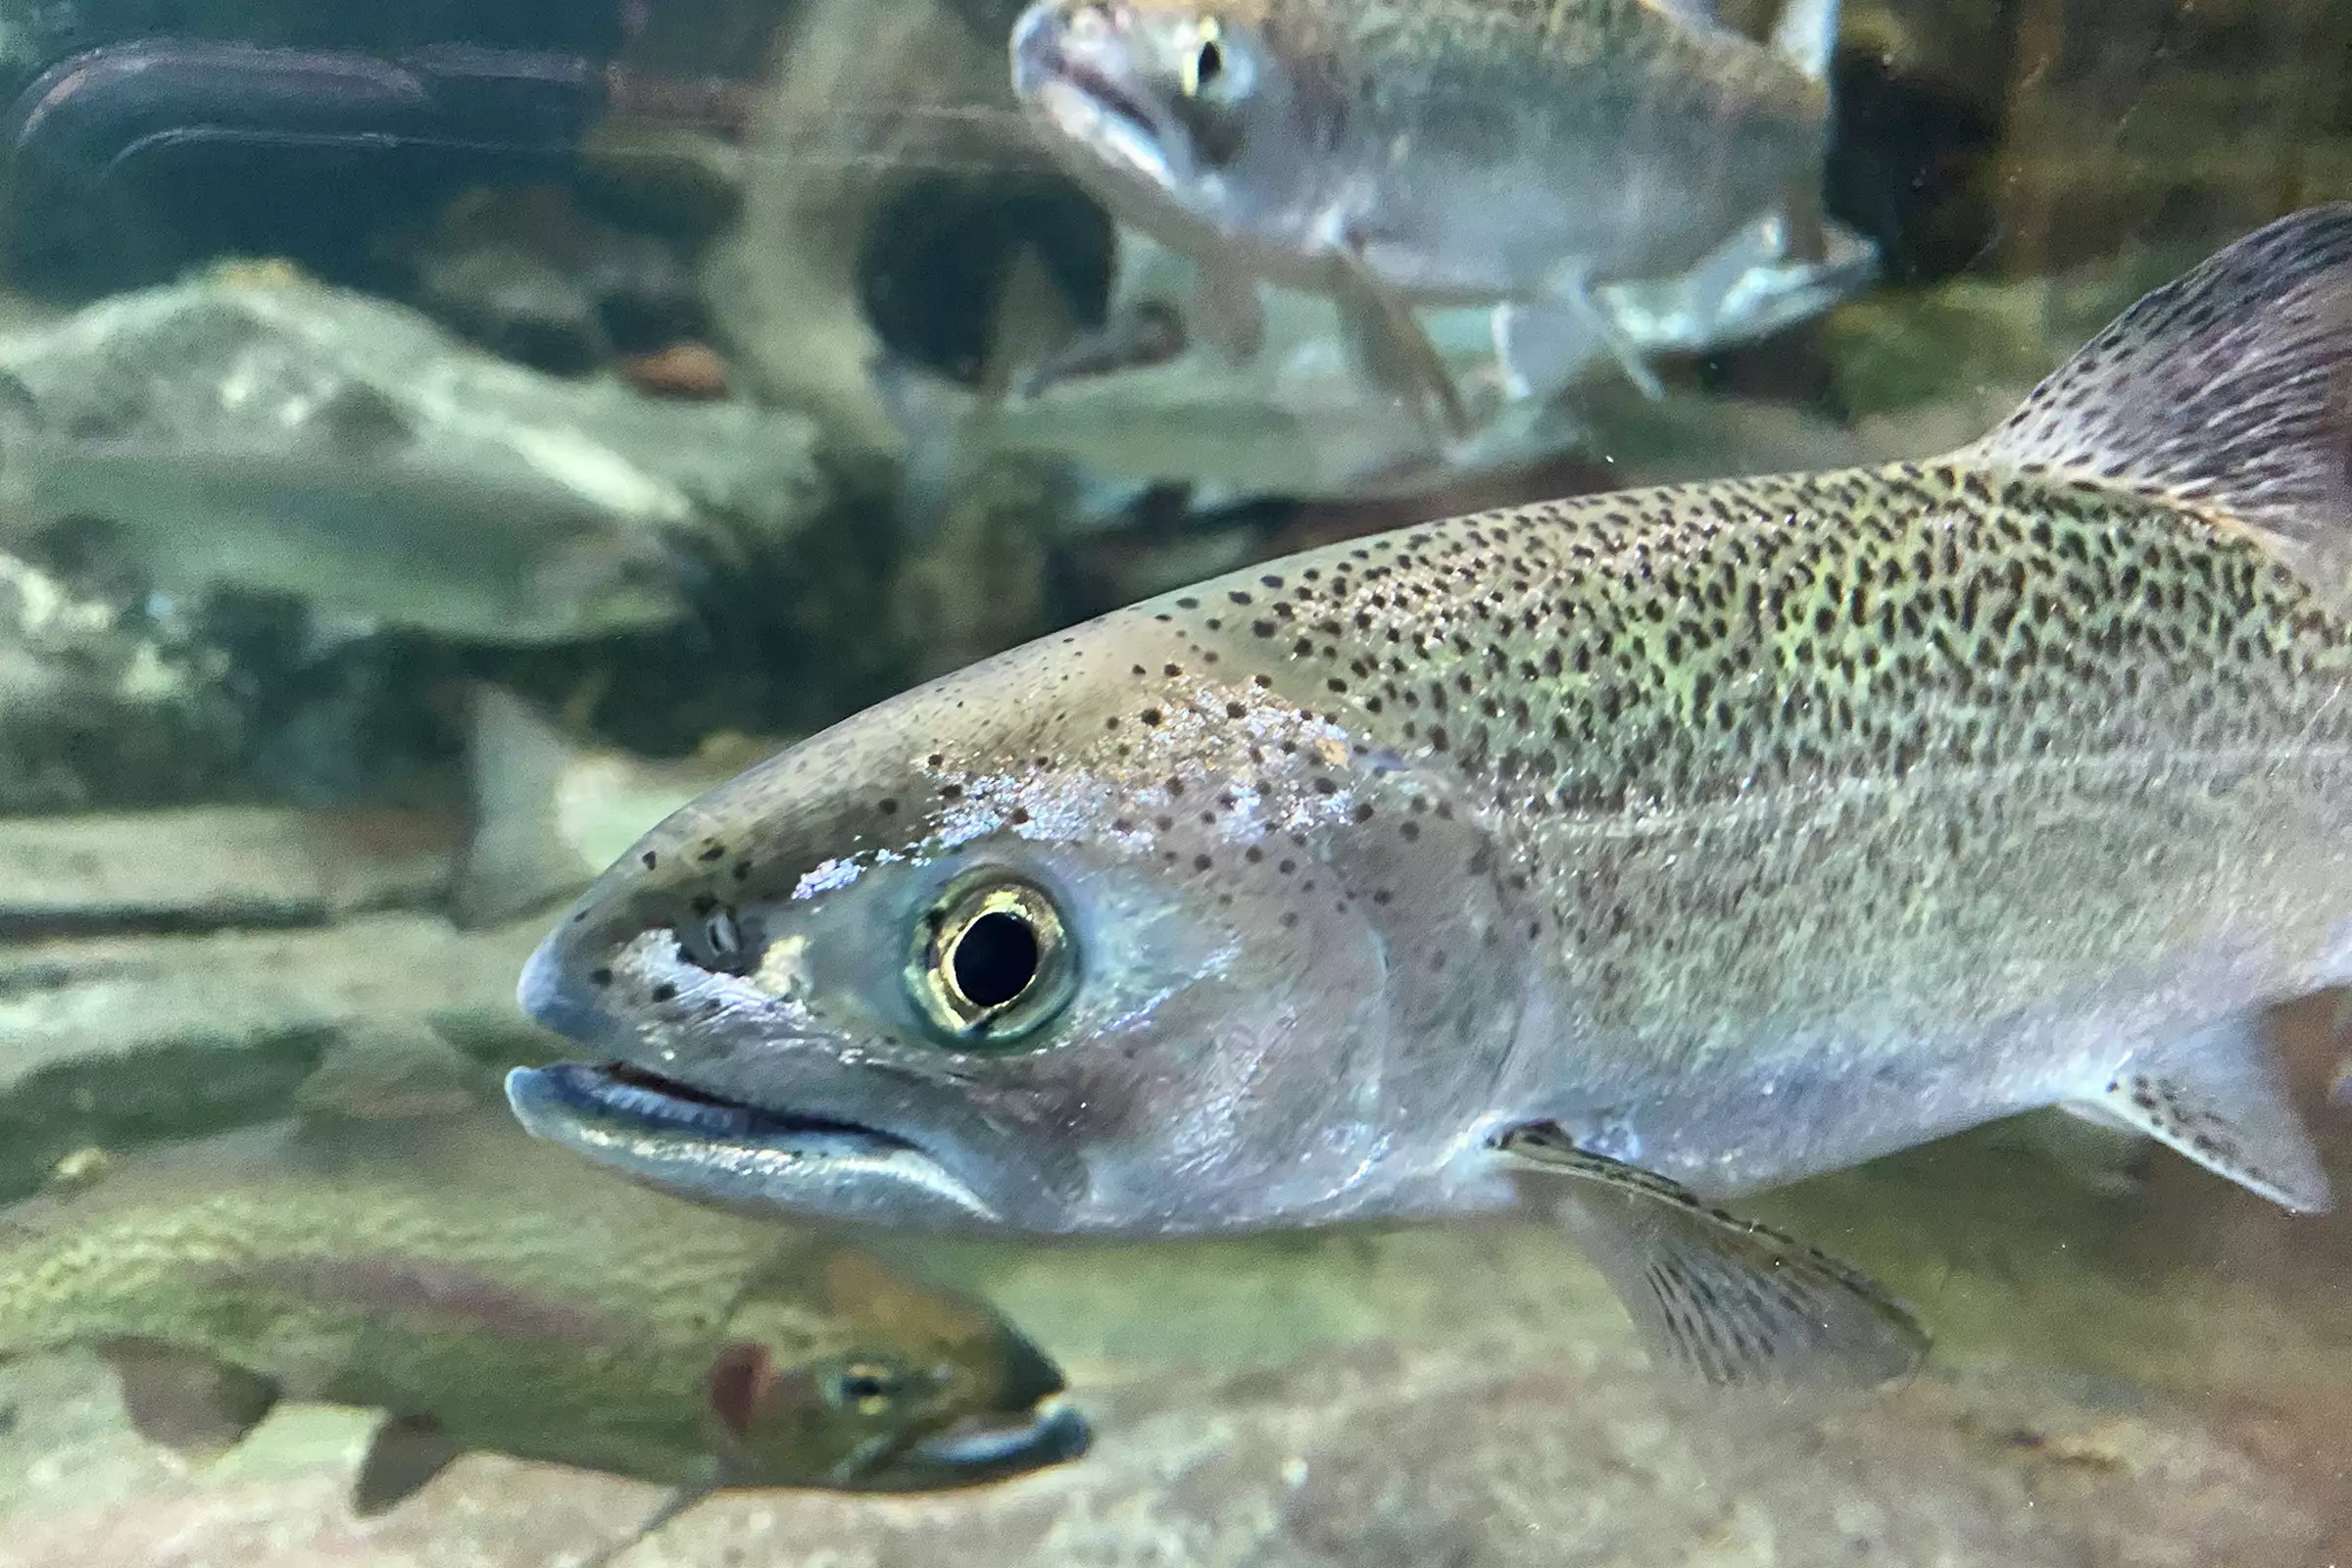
x=995 y=958
x=860 y=1386
x=1211 y=62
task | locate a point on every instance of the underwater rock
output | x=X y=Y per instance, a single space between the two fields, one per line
x=119 y=1040
x=99 y=707
x=258 y=357
x=208 y=868
x=530 y=276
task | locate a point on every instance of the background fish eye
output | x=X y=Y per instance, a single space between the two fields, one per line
x=1207 y=65
x=993 y=959
x=868 y=1386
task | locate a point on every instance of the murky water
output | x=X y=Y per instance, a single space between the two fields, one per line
x=435 y=443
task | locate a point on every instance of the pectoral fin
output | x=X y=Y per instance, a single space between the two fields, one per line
x=2215 y=1098
x=187 y=1401
x=407 y=1451
x=1389 y=346
x=1729 y=1299
x=1546 y=344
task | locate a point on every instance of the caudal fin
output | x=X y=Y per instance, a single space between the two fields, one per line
x=2227 y=391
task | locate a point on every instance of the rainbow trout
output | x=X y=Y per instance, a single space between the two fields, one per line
x=464 y=1280
x=1516 y=154
x=1630 y=851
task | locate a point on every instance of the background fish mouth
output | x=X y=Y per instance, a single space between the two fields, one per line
x=992 y=1447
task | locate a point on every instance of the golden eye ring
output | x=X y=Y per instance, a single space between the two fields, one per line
x=1205 y=63
x=991 y=960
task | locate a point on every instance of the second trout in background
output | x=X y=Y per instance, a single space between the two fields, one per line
x=1520 y=154
x=490 y=1296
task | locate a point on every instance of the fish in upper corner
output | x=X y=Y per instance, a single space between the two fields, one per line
x=1622 y=853
x=466 y=1280
x=1521 y=155
x=360 y=520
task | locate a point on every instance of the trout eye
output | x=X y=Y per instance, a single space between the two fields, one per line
x=991 y=960
x=868 y=1386
x=1207 y=65
x=1209 y=70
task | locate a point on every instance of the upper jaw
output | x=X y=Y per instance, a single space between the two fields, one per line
x=739 y=1156
x=1068 y=71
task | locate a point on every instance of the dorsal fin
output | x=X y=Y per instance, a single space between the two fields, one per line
x=2225 y=390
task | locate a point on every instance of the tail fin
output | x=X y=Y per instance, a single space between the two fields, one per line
x=517 y=858
x=2225 y=390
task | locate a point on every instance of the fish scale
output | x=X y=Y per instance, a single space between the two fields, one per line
x=1617 y=853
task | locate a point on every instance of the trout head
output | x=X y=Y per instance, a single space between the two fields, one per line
x=1212 y=118
x=836 y=1371
x=1091 y=938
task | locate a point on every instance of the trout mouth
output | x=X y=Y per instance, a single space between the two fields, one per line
x=1094 y=111
x=701 y=1144
x=1086 y=103
x=990 y=1446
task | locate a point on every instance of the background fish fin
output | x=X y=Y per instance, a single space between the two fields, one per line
x=1148 y=333
x=389 y=1069
x=186 y=1399
x=407 y=1451
x=1806 y=35
x=1545 y=343
x=935 y=419
x=2228 y=389
x=1730 y=1299
x=677 y=1502
x=1033 y=320
x=2217 y=1097
x=1226 y=313
x=946 y=423
x=1389 y=345
x=516 y=860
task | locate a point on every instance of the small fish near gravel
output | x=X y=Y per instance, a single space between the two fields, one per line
x=462 y=1277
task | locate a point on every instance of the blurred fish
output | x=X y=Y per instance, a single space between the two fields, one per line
x=550 y=812
x=1515 y=154
x=1140 y=403
x=368 y=524
x=445 y=1269
x=1668 y=844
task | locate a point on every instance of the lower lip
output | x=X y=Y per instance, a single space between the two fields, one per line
x=1053 y=1437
